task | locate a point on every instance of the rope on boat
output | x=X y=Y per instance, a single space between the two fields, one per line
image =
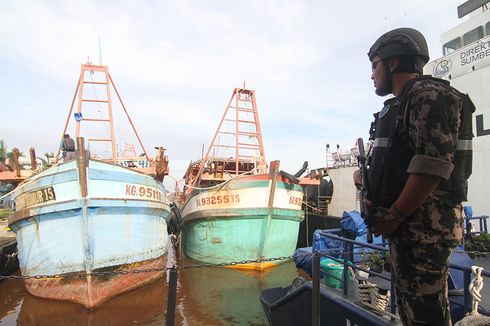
x=383 y=312
x=475 y=287
x=371 y=298
x=474 y=317
x=219 y=185
x=369 y=293
x=315 y=209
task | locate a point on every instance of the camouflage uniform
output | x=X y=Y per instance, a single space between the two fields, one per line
x=421 y=246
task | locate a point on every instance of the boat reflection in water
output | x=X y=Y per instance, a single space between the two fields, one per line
x=206 y=296
x=228 y=296
x=11 y=294
x=138 y=307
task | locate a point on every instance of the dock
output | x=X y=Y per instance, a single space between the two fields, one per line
x=8 y=249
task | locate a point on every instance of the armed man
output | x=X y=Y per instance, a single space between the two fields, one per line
x=417 y=170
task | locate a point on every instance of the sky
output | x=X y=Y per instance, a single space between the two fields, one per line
x=175 y=64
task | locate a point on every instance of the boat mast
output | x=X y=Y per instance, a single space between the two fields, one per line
x=239 y=126
x=97 y=76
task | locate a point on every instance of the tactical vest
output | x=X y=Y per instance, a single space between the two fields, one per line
x=391 y=153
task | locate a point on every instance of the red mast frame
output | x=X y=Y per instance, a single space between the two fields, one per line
x=248 y=144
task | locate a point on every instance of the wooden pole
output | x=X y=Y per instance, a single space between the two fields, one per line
x=16 y=155
x=82 y=162
x=32 y=153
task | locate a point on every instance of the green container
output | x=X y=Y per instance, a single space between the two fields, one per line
x=333 y=273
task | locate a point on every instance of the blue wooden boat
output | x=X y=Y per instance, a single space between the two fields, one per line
x=92 y=222
x=111 y=219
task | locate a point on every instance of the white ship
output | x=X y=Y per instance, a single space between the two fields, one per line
x=466 y=64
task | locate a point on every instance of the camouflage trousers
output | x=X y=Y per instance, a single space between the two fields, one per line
x=421 y=272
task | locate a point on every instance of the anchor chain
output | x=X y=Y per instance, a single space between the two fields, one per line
x=147 y=270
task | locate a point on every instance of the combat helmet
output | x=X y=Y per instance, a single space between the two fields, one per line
x=400 y=42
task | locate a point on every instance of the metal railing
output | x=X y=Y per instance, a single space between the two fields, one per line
x=348 y=261
x=347 y=253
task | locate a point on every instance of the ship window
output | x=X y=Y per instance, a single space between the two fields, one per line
x=487 y=27
x=451 y=46
x=473 y=35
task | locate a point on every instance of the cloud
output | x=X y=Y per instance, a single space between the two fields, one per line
x=175 y=64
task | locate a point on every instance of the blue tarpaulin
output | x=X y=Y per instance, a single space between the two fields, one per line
x=353 y=223
x=352 y=227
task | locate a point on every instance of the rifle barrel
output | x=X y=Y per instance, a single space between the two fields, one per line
x=361 y=162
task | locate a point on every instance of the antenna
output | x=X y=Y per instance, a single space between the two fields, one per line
x=100 y=52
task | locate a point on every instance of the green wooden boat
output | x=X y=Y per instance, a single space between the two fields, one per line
x=237 y=208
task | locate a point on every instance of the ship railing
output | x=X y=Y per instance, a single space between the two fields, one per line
x=347 y=259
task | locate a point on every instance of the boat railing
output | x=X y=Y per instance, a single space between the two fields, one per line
x=347 y=259
x=482 y=221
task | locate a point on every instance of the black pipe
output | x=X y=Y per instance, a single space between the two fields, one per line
x=172 y=296
x=467 y=295
x=315 y=318
x=302 y=170
x=330 y=235
x=348 y=250
x=288 y=176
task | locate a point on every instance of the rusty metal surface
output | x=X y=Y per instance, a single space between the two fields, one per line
x=94 y=290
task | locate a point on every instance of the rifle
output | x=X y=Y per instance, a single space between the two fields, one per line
x=365 y=211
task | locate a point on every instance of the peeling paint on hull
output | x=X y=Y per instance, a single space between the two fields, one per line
x=121 y=223
x=236 y=222
x=95 y=290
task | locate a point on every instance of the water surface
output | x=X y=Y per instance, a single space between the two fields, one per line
x=205 y=296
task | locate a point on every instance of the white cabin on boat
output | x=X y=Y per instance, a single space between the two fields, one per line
x=466 y=64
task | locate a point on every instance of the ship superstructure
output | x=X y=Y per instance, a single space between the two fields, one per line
x=466 y=64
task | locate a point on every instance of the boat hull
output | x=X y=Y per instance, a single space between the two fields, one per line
x=93 y=290
x=119 y=225
x=246 y=227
